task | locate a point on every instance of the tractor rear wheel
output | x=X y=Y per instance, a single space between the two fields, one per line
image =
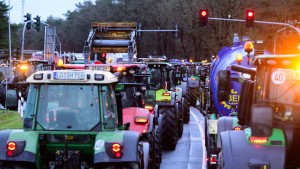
x=180 y=120
x=169 y=127
x=193 y=96
x=186 y=106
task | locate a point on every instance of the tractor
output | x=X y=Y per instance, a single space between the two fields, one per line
x=73 y=119
x=21 y=70
x=140 y=118
x=167 y=101
x=269 y=115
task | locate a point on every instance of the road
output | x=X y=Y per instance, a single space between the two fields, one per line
x=189 y=152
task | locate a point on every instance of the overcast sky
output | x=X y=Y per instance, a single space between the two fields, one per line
x=43 y=8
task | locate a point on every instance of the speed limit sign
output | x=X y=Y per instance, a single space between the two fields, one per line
x=278 y=77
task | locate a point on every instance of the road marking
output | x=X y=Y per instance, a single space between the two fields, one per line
x=203 y=138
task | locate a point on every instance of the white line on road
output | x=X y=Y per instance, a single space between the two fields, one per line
x=202 y=136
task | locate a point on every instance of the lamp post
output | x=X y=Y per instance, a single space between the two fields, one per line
x=275 y=39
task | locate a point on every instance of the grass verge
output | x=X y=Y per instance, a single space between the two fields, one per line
x=10 y=120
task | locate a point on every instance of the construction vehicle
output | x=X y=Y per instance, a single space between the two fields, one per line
x=72 y=120
x=268 y=113
x=111 y=42
x=220 y=100
x=21 y=70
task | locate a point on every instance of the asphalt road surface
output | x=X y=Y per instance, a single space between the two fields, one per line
x=189 y=152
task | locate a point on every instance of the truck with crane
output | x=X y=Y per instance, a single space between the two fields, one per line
x=111 y=42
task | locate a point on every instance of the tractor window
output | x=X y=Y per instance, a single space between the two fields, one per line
x=280 y=87
x=109 y=108
x=29 y=112
x=68 y=107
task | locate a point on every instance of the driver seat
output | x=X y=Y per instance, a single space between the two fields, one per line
x=66 y=120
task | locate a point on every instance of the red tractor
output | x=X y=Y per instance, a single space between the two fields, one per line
x=135 y=115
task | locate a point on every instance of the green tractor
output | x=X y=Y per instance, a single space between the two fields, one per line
x=167 y=102
x=72 y=121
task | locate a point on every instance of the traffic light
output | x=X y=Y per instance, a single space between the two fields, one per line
x=203 y=17
x=37 y=23
x=28 y=18
x=249 y=18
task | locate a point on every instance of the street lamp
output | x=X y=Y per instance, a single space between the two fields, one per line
x=274 y=49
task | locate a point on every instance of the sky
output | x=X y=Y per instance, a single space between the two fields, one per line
x=43 y=8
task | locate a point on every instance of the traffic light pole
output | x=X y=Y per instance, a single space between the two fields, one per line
x=23 y=34
x=262 y=22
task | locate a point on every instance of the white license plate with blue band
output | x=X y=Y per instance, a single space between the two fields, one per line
x=68 y=75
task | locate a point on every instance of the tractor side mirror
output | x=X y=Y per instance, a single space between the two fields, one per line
x=262 y=120
x=127 y=126
x=224 y=83
x=245 y=102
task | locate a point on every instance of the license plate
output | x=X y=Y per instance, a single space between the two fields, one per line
x=69 y=75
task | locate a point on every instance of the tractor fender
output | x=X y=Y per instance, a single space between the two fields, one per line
x=26 y=145
x=237 y=153
x=129 y=141
x=225 y=123
x=151 y=123
x=178 y=93
x=156 y=111
x=146 y=149
x=183 y=86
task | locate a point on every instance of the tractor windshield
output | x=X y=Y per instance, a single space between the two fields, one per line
x=279 y=87
x=72 y=107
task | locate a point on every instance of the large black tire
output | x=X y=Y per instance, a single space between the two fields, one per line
x=193 y=96
x=186 y=106
x=159 y=127
x=157 y=150
x=169 y=127
x=180 y=120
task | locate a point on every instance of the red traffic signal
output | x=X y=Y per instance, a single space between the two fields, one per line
x=203 y=17
x=249 y=18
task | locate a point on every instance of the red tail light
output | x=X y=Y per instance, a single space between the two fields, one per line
x=11 y=147
x=258 y=140
x=116 y=149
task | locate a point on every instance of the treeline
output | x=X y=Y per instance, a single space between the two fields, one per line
x=192 y=41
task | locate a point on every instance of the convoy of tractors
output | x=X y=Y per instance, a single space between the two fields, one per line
x=118 y=111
